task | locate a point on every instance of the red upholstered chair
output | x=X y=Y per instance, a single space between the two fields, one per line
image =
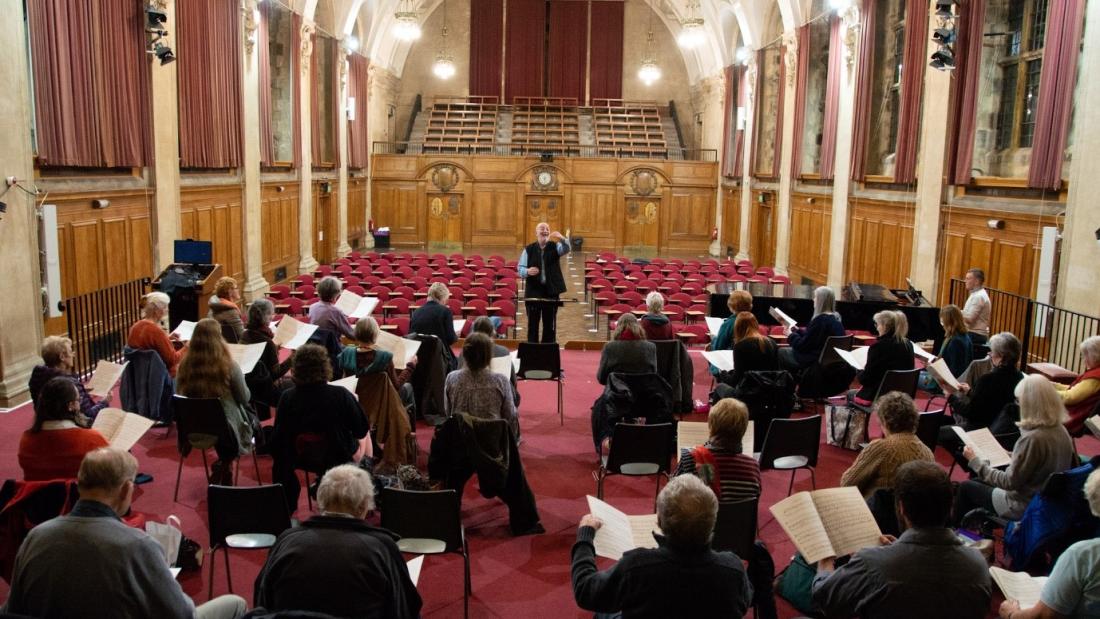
x=737 y=277
x=382 y=292
x=404 y=272
x=780 y=279
x=463 y=281
x=402 y=325
x=403 y=292
x=506 y=310
x=351 y=280
x=305 y=292
x=279 y=291
x=455 y=306
x=474 y=308
x=699 y=335
x=765 y=271
x=680 y=298
x=305 y=279
x=418 y=283
x=479 y=292
x=290 y=306
x=383 y=271
x=357 y=290
x=323 y=270
x=613 y=312
x=758 y=279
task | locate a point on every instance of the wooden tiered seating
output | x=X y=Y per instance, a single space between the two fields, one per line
x=468 y=124
x=550 y=123
x=628 y=128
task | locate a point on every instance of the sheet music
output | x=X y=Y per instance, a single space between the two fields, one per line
x=939 y=370
x=175 y=571
x=121 y=429
x=782 y=317
x=1093 y=424
x=354 y=305
x=246 y=355
x=690 y=434
x=714 y=324
x=458 y=325
x=857 y=357
x=515 y=360
x=401 y=348
x=349 y=383
x=292 y=333
x=985 y=446
x=502 y=366
x=1019 y=586
x=798 y=517
x=641 y=530
x=619 y=532
x=415 y=564
x=104 y=377
x=747 y=440
x=919 y=351
x=721 y=359
x=847 y=519
x=184 y=330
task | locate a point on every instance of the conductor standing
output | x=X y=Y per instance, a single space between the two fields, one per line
x=539 y=263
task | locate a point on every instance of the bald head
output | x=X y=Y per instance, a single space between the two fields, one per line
x=107 y=476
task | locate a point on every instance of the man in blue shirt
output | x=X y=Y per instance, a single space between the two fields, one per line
x=539 y=263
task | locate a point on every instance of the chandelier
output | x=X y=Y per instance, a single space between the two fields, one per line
x=407 y=23
x=650 y=71
x=692 y=34
x=444 y=67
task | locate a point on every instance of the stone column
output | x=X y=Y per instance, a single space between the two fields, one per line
x=1077 y=290
x=305 y=197
x=743 y=249
x=164 y=114
x=254 y=285
x=786 y=182
x=842 y=170
x=342 y=247
x=21 y=303
x=930 y=179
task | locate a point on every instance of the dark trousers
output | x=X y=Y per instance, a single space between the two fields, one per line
x=973 y=494
x=547 y=314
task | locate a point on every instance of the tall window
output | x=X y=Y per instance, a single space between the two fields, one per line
x=815 y=96
x=1012 y=61
x=767 y=111
x=882 y=136
x=280 y=34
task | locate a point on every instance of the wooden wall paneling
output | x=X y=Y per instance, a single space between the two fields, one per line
x=279 y=228
x=762 y=228
x=641 y=233
x=731 y=219
x=688 y=220
x=395 y=204
x=325 y=229
x=357 y=210
x=880 y=242
x=810 y=233
x=535 y=208
x=213 y=213
x=594 y=215
x=446 y=213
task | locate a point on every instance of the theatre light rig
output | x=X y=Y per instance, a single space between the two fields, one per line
x=944 y=36
x=155 y=33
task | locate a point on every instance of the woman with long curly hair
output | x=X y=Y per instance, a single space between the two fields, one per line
x=208 y=371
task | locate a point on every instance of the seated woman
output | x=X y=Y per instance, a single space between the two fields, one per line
x=957 y=349
x=267 y=381
x=752 y=352
x=1044 y=447
x=1082 y=395
x=655 y=324
x=364 y=358
x=146 y=334
x=55 y=445
x=628 y=351
x=1071 y=590
x=224 y=306
x=485 y=325
x=891 y=351
x=806 y=343
x=977 y=406
x=739 y=301
x=312 y=406
x=208 y=371
x=875 y=466
x=324 y=312
x=435 y=318
x=57 y=360
x=475 y=389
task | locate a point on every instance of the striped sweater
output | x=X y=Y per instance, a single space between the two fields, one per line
x=739 y=474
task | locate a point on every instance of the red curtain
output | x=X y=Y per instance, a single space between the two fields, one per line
x=324 y=113
x=728 y=122
x=263 y=61
x=567 y=62
x=526 y=39
x=486 y=35
x=964 y=103
x=296 y=76
x=912 y=88
x=91 y=83
x=739 y=142
x=803 y=77
x=358 y=140
x=832 y=95
x=209 y=83
x=1059 y=73
x=861 y=113
x=606 y=53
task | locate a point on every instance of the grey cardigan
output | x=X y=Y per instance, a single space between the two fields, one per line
x=629 y=356
x=1038 y=453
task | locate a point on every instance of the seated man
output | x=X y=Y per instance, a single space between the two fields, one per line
x=927 y=572
x=1073 y=589
x=336 y=563
x=682 y=577
x=89 y=564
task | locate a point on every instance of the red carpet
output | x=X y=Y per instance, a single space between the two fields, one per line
x=511 y=576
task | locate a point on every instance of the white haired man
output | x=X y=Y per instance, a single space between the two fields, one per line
x=540 y=264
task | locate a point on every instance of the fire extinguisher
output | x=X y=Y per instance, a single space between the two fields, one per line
x=370 y=225
x=714 y=234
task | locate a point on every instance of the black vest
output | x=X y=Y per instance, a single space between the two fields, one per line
x=546 y=259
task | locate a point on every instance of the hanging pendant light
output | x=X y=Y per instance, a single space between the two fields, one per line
x=650 y=71
x=692 y=34
x=407 y=24
x=444 y=66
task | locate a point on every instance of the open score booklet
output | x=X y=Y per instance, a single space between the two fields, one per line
x=827 y=523
x=619 y=532
x=121 y=429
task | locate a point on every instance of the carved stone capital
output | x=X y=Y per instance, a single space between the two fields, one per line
x=248 y=20
x=306 y=38
x=852 y=31
x=790 y=57
x=750 y=81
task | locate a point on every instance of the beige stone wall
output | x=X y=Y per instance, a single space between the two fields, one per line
x=674 y=84
x=417 y=76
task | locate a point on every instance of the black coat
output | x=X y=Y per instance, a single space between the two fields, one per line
x=544 y=257
x=339 y=566
x=887 y=353
x=434 y=318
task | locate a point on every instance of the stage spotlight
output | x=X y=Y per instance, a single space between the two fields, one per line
x=163 y=53
x=944 y=8
x=943 y=59
x=154 y=17
x=944 y=36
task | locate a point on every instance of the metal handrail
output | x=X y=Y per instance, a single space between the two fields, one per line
x=534 y=150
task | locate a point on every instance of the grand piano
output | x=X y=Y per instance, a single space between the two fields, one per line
x=857 y=305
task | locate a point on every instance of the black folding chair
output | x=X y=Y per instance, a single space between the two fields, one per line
x=928 y=428
x=792 y=444
x=244 y=518
x=538 y=361
x=201 y=422
x=428 y=523
x=637 y=450
x=735 y=528
x=904 y=381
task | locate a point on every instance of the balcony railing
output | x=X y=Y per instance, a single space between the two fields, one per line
x=536 y=150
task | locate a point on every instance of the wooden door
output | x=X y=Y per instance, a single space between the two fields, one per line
x=445 y=222
x=640 y=229
x=324 y=225
x=540 y=208
x=762 y=243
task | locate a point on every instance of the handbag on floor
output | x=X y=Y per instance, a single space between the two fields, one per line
x=796 y=582
x=846 y=427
